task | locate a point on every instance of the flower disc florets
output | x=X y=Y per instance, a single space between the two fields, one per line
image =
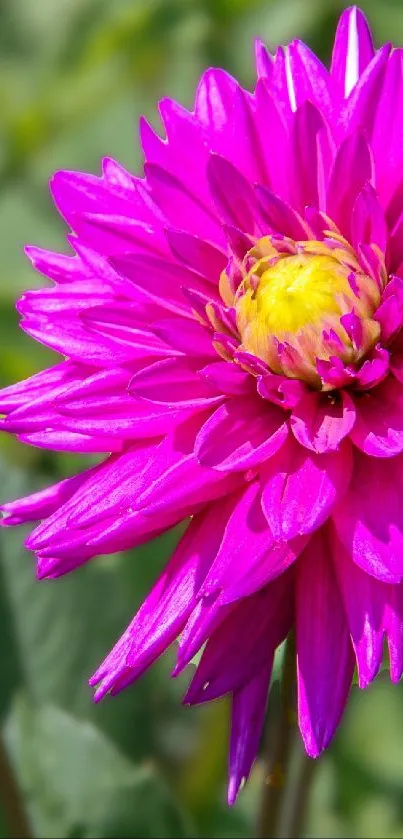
x=301 y=303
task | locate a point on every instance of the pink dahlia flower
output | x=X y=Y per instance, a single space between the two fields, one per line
x=231 y=327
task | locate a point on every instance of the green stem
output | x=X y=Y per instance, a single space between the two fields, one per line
x=298 y=798
x=11 y=799
x=280 y=738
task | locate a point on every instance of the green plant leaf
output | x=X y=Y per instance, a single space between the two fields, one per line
x=78 y=784
x=63 y=629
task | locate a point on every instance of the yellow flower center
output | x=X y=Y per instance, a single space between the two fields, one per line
x=295 y=292
x=291 y=302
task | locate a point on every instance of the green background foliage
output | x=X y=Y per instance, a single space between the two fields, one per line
x=75 y=75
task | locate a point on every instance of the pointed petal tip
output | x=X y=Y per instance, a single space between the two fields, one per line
x=353 y=49
x=353 y=16
x=42 y=573
x=364 y=680
x=100 y=694
x=235 y=787
x=368 y=671
x=395 y=675
x=313 y=748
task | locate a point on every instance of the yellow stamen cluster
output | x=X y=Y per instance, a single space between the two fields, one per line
x=296 y=297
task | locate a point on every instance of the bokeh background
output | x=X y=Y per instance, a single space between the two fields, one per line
x=75 y=75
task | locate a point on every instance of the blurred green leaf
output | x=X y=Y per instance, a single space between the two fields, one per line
x=77 y=784
x=64 y=628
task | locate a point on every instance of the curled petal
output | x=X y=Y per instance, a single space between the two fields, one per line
x=378 y=429
x=374 y=369
x=227 y=378
x=300 y=487
x=280 y=390
x=320 y=422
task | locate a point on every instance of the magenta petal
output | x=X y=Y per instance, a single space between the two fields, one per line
x=320 y=423
x=198 y=254
x=334 y=372
x=240 y=434
x=176 y=480
x=116 y=486
x=279 y=557
x=368 y=223
x=188 y=337
x=167 y=607
x=378 y=430
x=300 y=488
x=311 y=81
x=225 y=111
x=109 y=487
x=228 y=378
x=232 y=193
x=357 y=111
x=369 y=519
x=374 y=369
x=390 y=313
x=325 y=661
x=41 y=504
x=157 y=284
x=173 y=381
x=280 y=390
x=352 y=325
x=208 y=613
x=244 y=641
x=239 y=243
x=180 y=205
x=280 y=217
x=247 y=719
x=69 y=441
x=390 y=317
x=353 y=50
x=365 y=602
x=247 y=538
x=58 y=267
x=264 y=60
x=41 y=385
x=394 y=630
x=114 y=234
x=389 y=109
